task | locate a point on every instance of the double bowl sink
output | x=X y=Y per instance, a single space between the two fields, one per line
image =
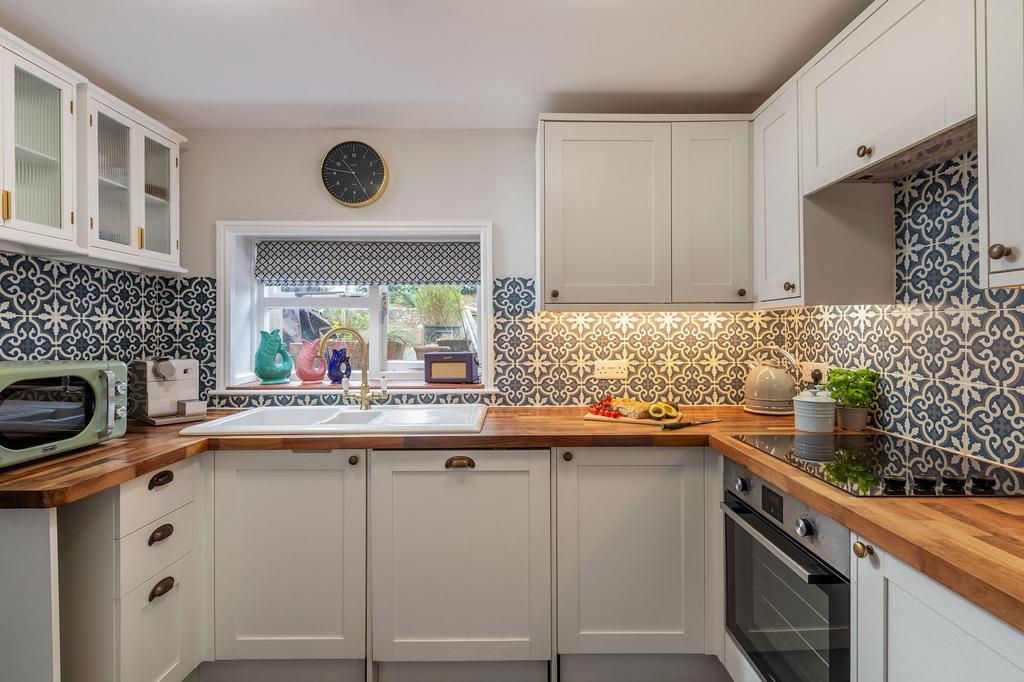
x=342 y=420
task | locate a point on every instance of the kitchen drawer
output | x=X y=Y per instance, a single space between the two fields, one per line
x=157 y=625
x=147 y=498
x=142 y=555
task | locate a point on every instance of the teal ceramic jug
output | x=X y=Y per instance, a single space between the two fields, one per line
x=273 y=364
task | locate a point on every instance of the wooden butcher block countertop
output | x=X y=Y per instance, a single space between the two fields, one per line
x=974 y=546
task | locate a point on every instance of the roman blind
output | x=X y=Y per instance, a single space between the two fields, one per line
x=325 y=263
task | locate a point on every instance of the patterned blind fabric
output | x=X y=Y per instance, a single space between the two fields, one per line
x=325 y=263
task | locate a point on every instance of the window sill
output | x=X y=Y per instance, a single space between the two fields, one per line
x=394 y=386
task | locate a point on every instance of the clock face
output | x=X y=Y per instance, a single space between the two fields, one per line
x=354 y=173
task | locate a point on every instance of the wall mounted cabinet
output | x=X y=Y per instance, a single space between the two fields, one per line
x=290 y=565
x=630 y=550
x=37 y=164
x=1001 y=141
x=461 y=555
x=643 y=210
x=128 y=178
x=856 y=103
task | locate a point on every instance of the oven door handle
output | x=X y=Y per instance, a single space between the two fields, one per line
x=808 y=570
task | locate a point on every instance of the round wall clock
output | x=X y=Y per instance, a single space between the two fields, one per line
x=354 y=173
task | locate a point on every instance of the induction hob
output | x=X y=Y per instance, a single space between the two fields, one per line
x=880 y=465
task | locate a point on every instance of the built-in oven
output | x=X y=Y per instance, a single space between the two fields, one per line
x=787 y=605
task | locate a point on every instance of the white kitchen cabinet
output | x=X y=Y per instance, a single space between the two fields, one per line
x=857 y=104
x=630 y=528
x=607 y=212
x=128 y=586
x=778 y=230
x=710 y=212
x=1001 y=140
x=37 y=164
x=910 y=628
x=289 y=571
x=158 y=626
x=461 y=555
x=129 y=179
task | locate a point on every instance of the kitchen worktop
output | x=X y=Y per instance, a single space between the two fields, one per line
x=974 y=546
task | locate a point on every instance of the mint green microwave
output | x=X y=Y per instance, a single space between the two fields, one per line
x=51 y=407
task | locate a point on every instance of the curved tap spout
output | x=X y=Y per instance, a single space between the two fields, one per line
x=365 y=397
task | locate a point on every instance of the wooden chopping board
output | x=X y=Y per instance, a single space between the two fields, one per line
x=626 y=420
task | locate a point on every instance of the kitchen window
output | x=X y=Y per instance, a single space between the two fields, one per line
x=408 y=288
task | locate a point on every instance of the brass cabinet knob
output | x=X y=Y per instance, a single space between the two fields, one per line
x=567 y=456
x=864 y=151
x=997 y=251
x=741 y=293
x=862 y=550
x=554 y=293
x=353 y=460
x=789 y=286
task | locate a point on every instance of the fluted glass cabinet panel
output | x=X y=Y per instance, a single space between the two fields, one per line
x=37 y=149
x=157 y=191
x=113 y=182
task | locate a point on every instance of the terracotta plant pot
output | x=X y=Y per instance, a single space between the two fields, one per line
x=396 y=350
x=853 y=418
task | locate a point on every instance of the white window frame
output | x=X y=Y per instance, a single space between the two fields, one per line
x=242 y=306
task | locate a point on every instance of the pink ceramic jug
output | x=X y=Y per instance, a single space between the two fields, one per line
x=310 y=365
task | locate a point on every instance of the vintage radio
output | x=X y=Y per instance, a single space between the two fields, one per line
x=451 y=368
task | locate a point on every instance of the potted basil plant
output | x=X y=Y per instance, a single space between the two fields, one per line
x=854 y=393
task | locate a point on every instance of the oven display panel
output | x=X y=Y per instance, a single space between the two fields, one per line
x=771 y=503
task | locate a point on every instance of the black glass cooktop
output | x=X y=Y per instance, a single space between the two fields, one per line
x=878 y=465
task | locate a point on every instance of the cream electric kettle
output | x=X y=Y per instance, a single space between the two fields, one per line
x=770 y=384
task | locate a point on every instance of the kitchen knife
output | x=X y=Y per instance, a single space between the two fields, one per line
x=682 y=425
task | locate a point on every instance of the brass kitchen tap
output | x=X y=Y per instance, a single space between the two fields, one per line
x=365 y=398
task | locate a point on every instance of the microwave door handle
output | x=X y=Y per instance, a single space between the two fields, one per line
x=807 y=571
x=111 y=381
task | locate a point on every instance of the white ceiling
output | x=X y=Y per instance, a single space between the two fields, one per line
x=428 y=63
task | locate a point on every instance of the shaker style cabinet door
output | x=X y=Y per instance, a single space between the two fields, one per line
x=857 y=104
x=1001 y=140
x=778 y=232
x=710 y=212
x=910 y=628
x=607 y=211
x=290 y=565
x=38 y=150
x=461 y=555
x=158 y=634
x=630 y=550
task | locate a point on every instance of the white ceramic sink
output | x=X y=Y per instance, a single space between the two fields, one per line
x=346 y=419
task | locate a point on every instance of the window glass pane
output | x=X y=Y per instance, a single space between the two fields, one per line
x=425 y=317
x=299 y=324
x=344 y=291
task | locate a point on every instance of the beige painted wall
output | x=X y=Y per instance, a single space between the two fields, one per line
x=435 y=175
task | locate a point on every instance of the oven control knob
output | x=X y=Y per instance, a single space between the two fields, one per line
x=804 y=528
x=121 y=388
x=741 y=485
x=120 y=412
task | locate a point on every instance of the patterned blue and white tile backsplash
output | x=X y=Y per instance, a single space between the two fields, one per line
x=950 y=353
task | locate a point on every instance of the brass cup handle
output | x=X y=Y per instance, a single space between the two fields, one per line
x=789 y=286
x=161 y=533
x=554 y=293
x=162 y=588
x=460 y=462
x=161 y=479
x=998 y=251
x=864 y=151
x=862 y=550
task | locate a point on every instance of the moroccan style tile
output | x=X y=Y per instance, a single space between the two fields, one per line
x=514 y=296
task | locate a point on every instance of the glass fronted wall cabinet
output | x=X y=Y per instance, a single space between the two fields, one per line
x=128 y=170
x=37 y=164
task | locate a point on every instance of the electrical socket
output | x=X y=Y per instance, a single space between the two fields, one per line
x=807 y=367
x=611 y=369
